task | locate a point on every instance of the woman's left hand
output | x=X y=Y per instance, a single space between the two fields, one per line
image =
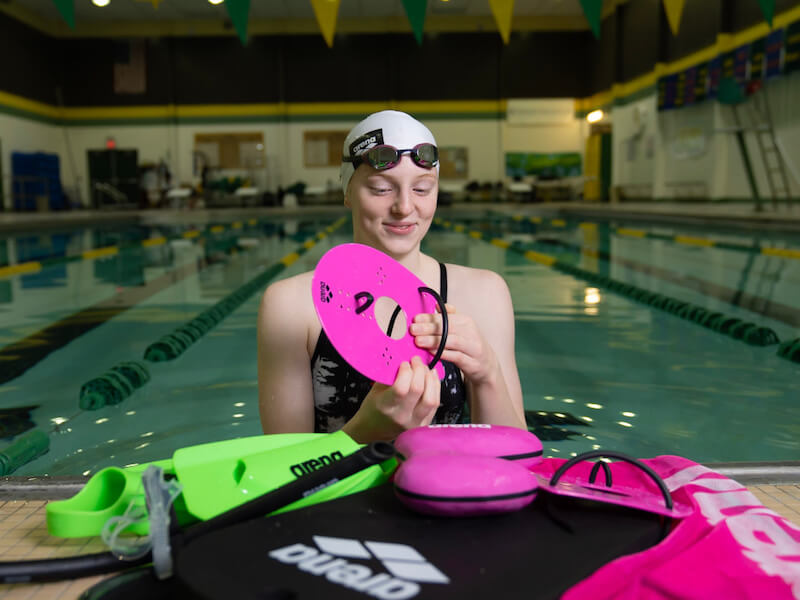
x=465 y=346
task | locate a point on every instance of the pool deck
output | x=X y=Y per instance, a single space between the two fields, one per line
x=713 y=214
x=24 y=536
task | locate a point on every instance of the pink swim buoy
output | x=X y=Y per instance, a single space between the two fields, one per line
x=465 y=470
x=458 y=485
x=347 y=282
x=473 y=439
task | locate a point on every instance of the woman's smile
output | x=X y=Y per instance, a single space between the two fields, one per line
x=399 y=227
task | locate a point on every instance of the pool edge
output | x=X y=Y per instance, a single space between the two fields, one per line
x=62 y=487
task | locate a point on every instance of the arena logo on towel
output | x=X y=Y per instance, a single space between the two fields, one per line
x=366 y=141
x=763 y=536
x=407 y=566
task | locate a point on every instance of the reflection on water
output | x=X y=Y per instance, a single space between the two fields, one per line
x=598 y=370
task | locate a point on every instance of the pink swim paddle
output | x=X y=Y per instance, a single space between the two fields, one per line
x=652 y=496
x=348 y=281
x=472 y=470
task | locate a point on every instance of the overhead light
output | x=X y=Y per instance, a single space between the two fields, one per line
x=101 y=3
x=595 y=116
x=215 y=2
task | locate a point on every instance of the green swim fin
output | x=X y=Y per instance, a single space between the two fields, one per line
x=215 y=477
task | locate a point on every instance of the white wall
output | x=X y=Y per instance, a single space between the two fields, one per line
x=486 y=141
x=291 y=157
x=695 y=152
x=543 y=125
x=636 y=140
x=686 y=156
x=782 y=96
x=153 y=142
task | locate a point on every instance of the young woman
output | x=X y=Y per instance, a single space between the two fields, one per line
x=390 y=176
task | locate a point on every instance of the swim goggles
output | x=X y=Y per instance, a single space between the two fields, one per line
x=384 y=157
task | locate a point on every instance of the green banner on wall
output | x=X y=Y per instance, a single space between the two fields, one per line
x=544 y=166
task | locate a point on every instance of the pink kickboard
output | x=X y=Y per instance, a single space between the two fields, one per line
x=349 y=269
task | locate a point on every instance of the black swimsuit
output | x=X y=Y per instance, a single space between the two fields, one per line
x=339 y=389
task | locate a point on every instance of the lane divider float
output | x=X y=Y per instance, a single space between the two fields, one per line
x=747 y=332
x=687 y=240
x=195 y=235
x=178 y=341
x=122 y=380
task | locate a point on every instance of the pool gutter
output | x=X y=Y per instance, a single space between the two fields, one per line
x=59 y=488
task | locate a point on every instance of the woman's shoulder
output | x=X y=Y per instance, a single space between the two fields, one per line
x=292 y=284
x=290 y=293
x=471 y=280
x=476 y=291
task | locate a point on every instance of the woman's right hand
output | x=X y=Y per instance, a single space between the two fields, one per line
x=387 y=411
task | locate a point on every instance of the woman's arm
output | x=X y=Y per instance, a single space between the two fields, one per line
x=480 y=343
x=387 y=411
x=285 y=393
x=285 y=390
x=498 y=398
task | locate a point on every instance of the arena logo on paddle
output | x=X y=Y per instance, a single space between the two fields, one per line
x=325 y=293
x=407 y=566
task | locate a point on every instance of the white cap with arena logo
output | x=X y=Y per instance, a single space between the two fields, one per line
x=390 y=127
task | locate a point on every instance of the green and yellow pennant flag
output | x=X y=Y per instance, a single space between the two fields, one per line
x=326 y=12
x=593 y=9
x=768 y=8
x=502 y=11
x=67 y=10
x=239 y=12
x=415 y=11
x=674 y=10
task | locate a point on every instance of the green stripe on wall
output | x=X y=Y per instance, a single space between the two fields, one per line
x=27 y=114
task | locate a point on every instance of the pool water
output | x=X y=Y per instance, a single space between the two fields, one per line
x=599 y=369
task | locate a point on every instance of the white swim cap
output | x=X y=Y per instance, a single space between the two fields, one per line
x=390 y=127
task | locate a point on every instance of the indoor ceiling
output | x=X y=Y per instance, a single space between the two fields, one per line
x=199 y=10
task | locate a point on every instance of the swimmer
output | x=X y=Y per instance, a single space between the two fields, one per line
x=390 y=177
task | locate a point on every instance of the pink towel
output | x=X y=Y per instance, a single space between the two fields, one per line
x=731 y=547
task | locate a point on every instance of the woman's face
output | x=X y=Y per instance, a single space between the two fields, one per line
x=392 y=209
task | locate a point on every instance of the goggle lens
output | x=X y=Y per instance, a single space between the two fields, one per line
x=382 y=157
x=425 y=155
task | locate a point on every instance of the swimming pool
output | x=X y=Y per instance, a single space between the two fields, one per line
x=600 y=368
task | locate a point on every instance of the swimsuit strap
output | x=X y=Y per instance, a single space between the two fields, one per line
x=443 y=282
